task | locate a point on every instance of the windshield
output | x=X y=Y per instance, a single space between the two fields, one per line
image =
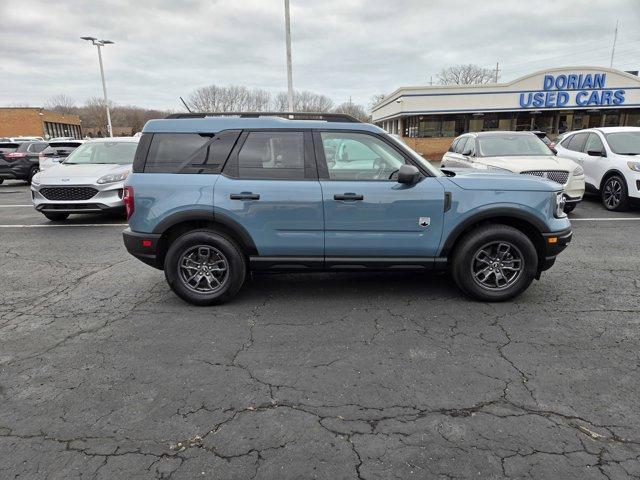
x=624 y=143
x=119 y=153
x=416 y=156
x=511 y=146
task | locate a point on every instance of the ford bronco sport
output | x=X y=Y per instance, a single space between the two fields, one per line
x=214 y=196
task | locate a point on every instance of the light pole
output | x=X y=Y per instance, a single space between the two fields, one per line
x=287 y=24
x=102 y=43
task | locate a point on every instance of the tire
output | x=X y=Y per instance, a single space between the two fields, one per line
x=55 y=217
x=570 y=207
x=489 y=238
x=32 y=172
x=202 y=249
x=614 y=194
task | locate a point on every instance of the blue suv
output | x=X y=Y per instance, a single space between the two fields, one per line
x=214 y=196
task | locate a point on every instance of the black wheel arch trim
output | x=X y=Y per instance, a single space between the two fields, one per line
x=610 y=173
x=206 y=215
x=500 y=212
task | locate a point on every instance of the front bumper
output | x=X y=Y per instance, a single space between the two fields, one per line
x=107 y=199
x=574 y=189
x=554 y=243
x=143 y=246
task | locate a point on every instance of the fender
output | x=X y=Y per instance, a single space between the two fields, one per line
x=608 y=174
x=205 y=215
x=504 y=212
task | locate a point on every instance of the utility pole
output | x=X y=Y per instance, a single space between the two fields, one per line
x=287 y=22
x=613 y=48
x=99 y=44
x=497 y=71
x=431 y=81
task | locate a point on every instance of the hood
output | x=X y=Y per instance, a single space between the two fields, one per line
x=64 y=174
x=519 y=164
x=474 y=180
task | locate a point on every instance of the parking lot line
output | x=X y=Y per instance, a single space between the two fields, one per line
x=605 y=219
x=68 y=225
x=15 y=206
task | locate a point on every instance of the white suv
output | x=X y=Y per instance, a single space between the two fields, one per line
x=610 y=157
x=516 y=152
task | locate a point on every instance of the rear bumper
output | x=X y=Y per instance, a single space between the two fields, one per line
x=554 y=243
x=146 y=252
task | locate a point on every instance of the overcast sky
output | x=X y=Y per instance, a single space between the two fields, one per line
x=341 y=48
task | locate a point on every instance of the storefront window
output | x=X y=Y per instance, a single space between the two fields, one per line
x=633 y=119
x=611 y=119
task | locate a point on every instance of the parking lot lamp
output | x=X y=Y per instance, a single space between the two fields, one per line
x=99 y=44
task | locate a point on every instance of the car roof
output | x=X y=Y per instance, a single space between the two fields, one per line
x=616 y=129
x=498 y=133
x=114 y=139
x=218 y=124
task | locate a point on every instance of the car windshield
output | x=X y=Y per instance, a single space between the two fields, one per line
x=110 y=152
x=511 y=146
x=624 y=143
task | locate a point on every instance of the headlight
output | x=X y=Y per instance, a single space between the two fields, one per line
x=578 y=171
x=35 y=181
x=113 y=177
x=635 y=166
x=560 y=201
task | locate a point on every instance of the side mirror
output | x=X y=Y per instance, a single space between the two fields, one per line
x=408 y=174
x=467 y=153
x=596 y=153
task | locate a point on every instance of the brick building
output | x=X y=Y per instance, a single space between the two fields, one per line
x=38 y=122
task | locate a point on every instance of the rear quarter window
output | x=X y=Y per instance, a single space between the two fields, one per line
x=184 y=152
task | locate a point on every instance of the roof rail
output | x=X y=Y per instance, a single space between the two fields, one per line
x=327 y=117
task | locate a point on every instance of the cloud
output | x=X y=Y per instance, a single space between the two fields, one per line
x=341 y=48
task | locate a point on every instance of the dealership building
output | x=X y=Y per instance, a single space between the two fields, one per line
x=38 y=122
x=554 y=100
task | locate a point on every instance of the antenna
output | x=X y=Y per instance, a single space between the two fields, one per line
x=185 y=105
x=615 y=37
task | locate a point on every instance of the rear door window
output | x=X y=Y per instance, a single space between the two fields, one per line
x=272 y=155
x=188 y=152
x=575 y=142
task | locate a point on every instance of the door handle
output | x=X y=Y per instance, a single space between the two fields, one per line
x=245 y=196
x=348 y=196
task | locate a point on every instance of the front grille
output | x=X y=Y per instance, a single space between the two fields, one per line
x=558 y=176
x=68 y=193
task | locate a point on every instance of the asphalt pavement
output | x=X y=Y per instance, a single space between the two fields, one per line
x=105 y=374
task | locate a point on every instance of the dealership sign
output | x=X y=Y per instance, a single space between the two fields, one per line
x=573 y=90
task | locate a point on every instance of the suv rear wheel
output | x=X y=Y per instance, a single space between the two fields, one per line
x=204 y=268
x=494 y=263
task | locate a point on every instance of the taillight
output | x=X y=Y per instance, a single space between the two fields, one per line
x=129 y=201
x=14 y=155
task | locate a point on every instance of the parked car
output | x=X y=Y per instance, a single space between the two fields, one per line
x=211 y=198
x=545 y=139
x=6 y=147
x=90 y=180
x=516 y=152
x=23 y=162
x=610 y=157
x=56 y=152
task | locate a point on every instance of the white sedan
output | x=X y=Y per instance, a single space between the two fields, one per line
x=90 y=180
x=516 y=152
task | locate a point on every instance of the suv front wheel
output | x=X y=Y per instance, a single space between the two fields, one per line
x=494 y=263
x=204 y=268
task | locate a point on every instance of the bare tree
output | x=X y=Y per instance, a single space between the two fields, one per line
x=303 y=101
x=215 y=98
x=466 y=75
x=375 y=99
x=61 y=103
x=354 y=110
